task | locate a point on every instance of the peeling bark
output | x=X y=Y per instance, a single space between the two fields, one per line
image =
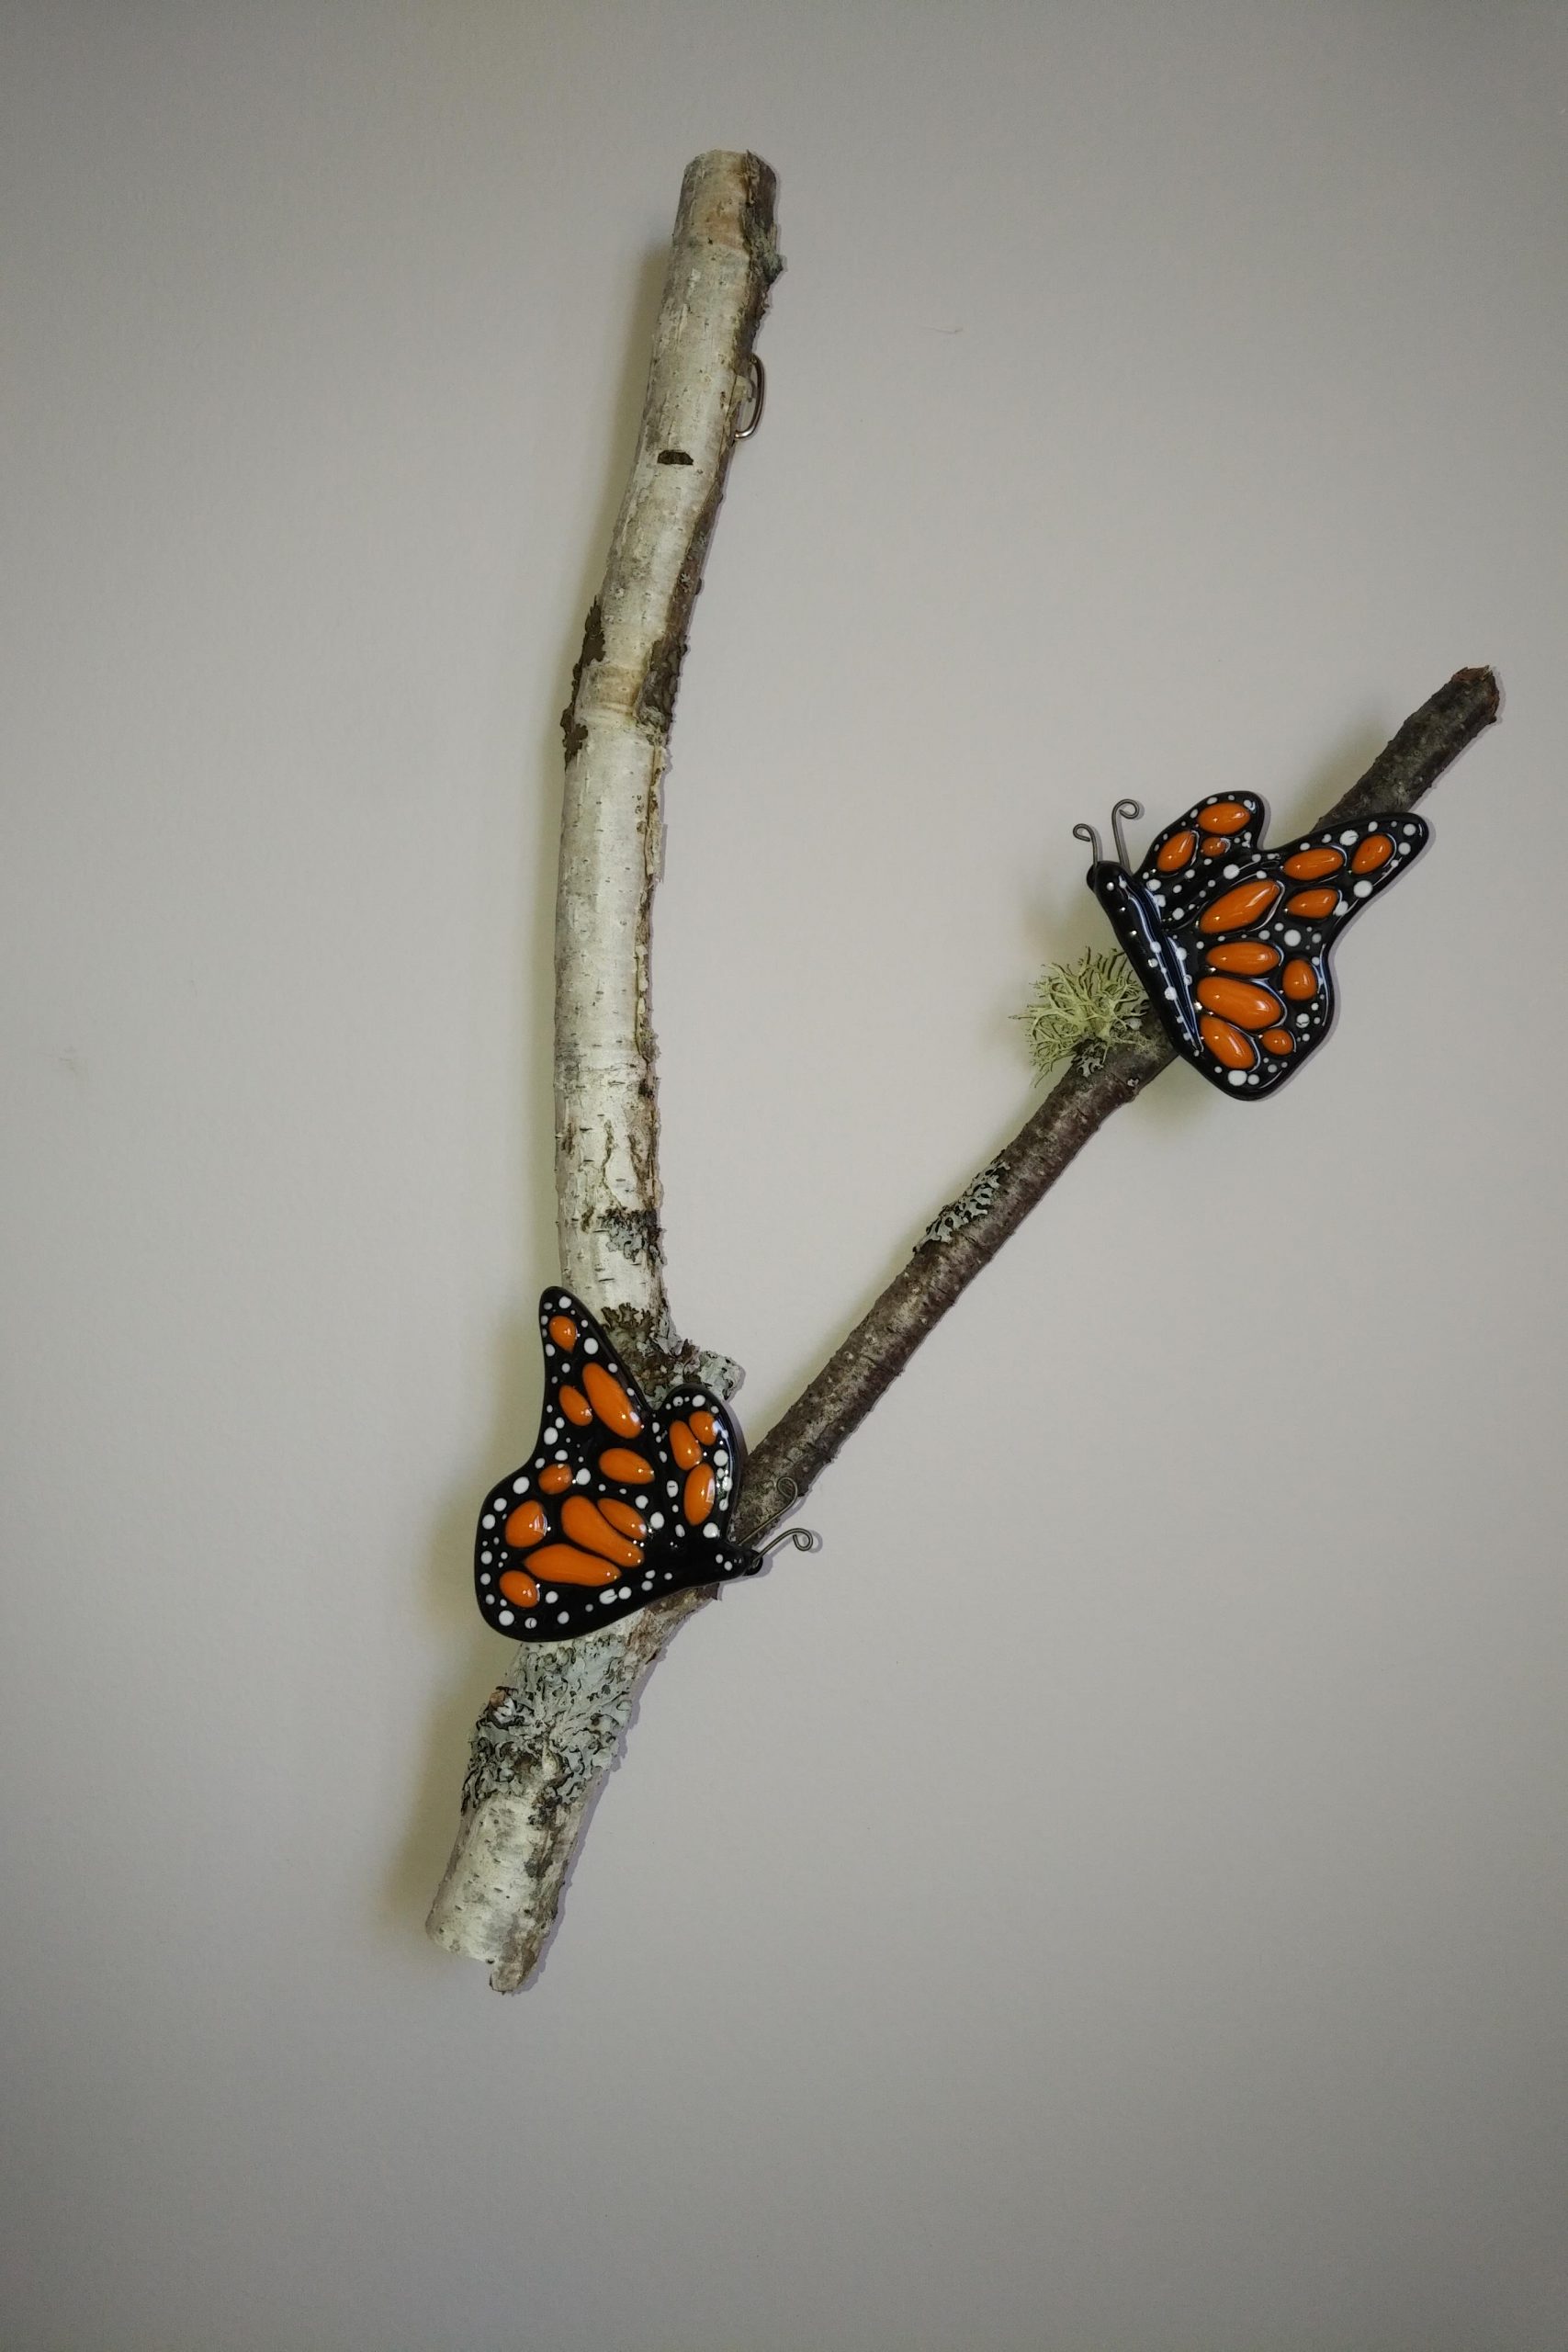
x=550 y=1733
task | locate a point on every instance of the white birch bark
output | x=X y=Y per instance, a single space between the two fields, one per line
x=550 y=1732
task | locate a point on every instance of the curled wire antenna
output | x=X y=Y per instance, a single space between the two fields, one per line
x=805 y=1539
x=1087 y=833
x=1124 y=808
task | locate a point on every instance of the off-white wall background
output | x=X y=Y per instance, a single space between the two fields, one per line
x=1114 y=1901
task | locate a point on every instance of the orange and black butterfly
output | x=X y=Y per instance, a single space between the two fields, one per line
x=1232 y=941
x=619 y=1504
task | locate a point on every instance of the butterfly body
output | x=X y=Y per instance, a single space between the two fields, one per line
x=619 y=1504
x=1233 y=942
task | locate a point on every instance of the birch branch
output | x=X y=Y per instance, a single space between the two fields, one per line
x=549 y=1735
x=617 y=726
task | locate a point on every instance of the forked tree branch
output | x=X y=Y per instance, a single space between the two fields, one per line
x=549 y=1735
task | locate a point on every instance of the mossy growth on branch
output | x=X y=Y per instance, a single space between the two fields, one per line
x=1079 y=1011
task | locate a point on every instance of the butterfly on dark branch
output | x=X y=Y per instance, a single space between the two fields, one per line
x=1232 y=941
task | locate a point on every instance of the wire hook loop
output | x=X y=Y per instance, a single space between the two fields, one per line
x=752 y=399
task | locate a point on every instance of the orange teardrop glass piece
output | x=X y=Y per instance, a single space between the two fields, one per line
x=1227 y=1045
x=1299 y=980
x=586 y=1525
x=610 y=1401
x=1243 y=1002
x=564 y=1563
x=1239 y=910
x=1242 y=955
x=563 y=1330
x=705 y=1427
x=626 y=1469
x=1312 y=865
x=576 y=1407
x=619 y=1514
x=1313 y=904
x=526 y=1525
x=1279 y=1041
x=1225 y=817
x=1179 y=851
x=697 y=1500
x=518 y=1585
x=684 y=1445
x=1375 y=851
x=555 y=1479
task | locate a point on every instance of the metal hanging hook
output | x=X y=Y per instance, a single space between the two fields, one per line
x=1087 y=834
x=759 y=393
x=1124 y=808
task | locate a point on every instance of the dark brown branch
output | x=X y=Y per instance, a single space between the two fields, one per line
x=800 y=1445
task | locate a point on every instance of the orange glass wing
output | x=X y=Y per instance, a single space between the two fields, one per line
x=619 y=1504
x=1232 y=941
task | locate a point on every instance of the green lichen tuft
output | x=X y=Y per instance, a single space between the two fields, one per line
x=1079 y=1011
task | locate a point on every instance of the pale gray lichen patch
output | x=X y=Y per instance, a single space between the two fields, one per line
x=634 y=1232
x=720 y=1373
x=976 y=1200
x=551 y=1732
x=1079 y=1011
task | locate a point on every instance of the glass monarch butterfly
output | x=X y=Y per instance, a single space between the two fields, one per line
x=1232 y=941
x=619 y=1504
